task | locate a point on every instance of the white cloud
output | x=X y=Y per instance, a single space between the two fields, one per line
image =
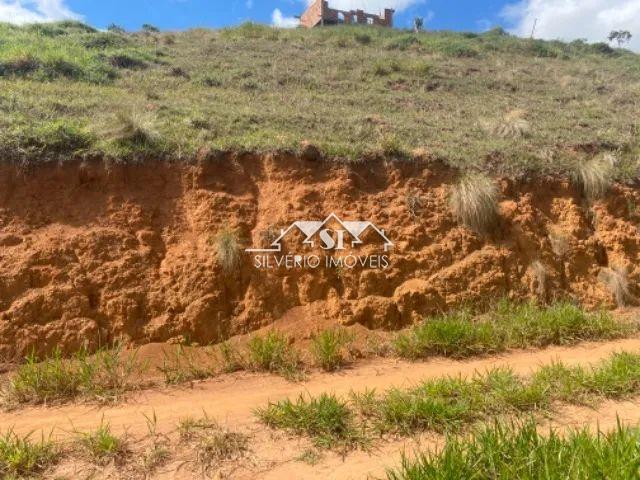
x=572 y=19
x=280 y=21
x=372 y=6
x=33 y=11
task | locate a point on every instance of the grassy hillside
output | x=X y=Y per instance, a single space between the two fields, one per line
x=66 y=89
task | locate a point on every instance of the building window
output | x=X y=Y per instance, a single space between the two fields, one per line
x=369 y=21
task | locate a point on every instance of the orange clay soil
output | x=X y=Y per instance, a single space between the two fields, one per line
x=231 y=400
x=95 y=251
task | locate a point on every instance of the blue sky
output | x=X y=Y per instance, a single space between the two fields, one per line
x=181 y=14
x=555 y=19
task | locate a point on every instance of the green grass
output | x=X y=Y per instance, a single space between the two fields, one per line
x=20 y=457
x=272 y=353
x=103 y=376
x=377 y=91
x=617 y=377
x=460 y=334
x=66 y=51
x=327 y=419
x=327 y=348
x=517 y=451
x=451 y=403
x=102 y=445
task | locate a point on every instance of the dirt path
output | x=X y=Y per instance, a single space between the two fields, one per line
x=233 y=398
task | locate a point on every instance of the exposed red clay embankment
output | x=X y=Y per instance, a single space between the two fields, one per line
x=96 y=251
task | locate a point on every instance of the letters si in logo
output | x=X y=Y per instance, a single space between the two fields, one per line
x=317 y=231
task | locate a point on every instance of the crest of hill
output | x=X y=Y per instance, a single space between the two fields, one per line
x=69 y=91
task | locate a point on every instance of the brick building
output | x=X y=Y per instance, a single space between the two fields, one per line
x=319 y=14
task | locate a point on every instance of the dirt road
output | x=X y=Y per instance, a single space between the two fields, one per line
x=232 y=398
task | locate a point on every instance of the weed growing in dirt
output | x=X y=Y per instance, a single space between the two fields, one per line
x=213 y=443
x=158 y=451
x=327 y=419
x=327 y=348
x=518 y=451
x=219 y=445
x=20 y=457
x=474 y=201
x=184 y=365
x=101 y=445
x=230 y=358
x=103 y=376
x=310 y=456
x=189 y=427
x=460 y=334
x=272 y=353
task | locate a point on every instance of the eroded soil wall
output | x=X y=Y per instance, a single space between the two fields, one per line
x=94 y=251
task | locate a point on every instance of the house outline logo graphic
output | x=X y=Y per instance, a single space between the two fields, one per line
x=311 y=228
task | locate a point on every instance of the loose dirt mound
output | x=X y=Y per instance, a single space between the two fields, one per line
x=96 y=251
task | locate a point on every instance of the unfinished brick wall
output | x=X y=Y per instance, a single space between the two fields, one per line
x=319 y=13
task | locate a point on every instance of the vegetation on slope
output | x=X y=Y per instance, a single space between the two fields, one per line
x=67 y=89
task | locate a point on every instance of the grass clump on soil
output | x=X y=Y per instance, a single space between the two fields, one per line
x=617 y=282
x=183 y=365
x=228 y=249
x=327 y=419
x=460 y=334
x=103 y=376
x=474 y=201
x=518 y=451
x=213 y=443
x=220 y=445
x=273 y=353
x=595 y=176
x=20 y=457
x=451 y=403
x=327 y=348
x=101 y=445
x=230 y=358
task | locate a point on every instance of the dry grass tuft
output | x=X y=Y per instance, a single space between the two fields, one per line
x=512 y=125
x=228 y=247
x=135 y=128
x=474 y=201
x=214 y=444
x=595 y=176
x=616 y=281
x=541 y=276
